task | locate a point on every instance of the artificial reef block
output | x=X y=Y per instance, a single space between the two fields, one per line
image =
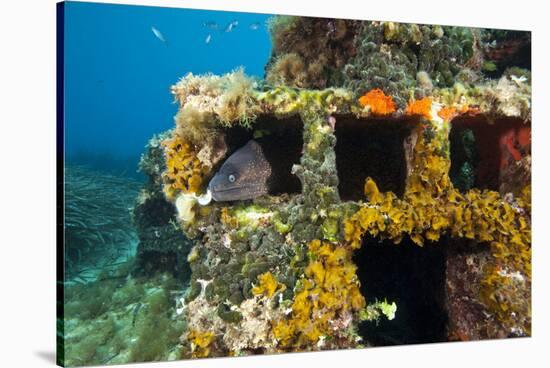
x=292 y=269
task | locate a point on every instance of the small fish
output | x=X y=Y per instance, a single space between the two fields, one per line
x=231 y=26
x=208 y=38
x=135 y=313
x=254 y=26
x=110 y=358
x=244 y=175
x=211 y=25
x=158 y=35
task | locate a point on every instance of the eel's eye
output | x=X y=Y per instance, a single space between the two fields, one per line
x=231 y=178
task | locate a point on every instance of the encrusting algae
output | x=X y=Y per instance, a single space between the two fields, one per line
x=200 y=342
x=325 y=302
x=267 y=285
x=378 y=102
x=422 y=107
x=184 y=171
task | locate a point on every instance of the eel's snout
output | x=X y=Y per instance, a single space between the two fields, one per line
x=215 y=186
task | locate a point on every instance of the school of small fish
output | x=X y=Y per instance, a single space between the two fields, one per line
x=212 y=26
x=231 y=25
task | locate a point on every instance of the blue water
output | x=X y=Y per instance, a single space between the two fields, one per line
x=118 y=73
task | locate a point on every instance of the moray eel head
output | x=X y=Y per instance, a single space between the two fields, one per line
x=244 y=175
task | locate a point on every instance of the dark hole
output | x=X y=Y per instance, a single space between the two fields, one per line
x=411 y=276
x=481 y=153
x=150 y=262
x=163 y=212
x=511 y=49
x=281 y=141
x=370 y=147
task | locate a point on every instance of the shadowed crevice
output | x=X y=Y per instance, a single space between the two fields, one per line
x=370 y=147
x=411 y=276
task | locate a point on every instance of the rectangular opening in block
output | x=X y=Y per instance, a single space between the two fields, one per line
x=413 y=278
x=494 y=156
x=370 y=147
x=280 y=144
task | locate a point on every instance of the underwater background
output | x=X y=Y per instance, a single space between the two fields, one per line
x=119 y=64
x=118 y=73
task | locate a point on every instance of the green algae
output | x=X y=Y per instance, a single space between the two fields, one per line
x=120 y=320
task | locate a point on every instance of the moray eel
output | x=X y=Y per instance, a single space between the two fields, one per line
x=259 y=167
x=244 y=175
